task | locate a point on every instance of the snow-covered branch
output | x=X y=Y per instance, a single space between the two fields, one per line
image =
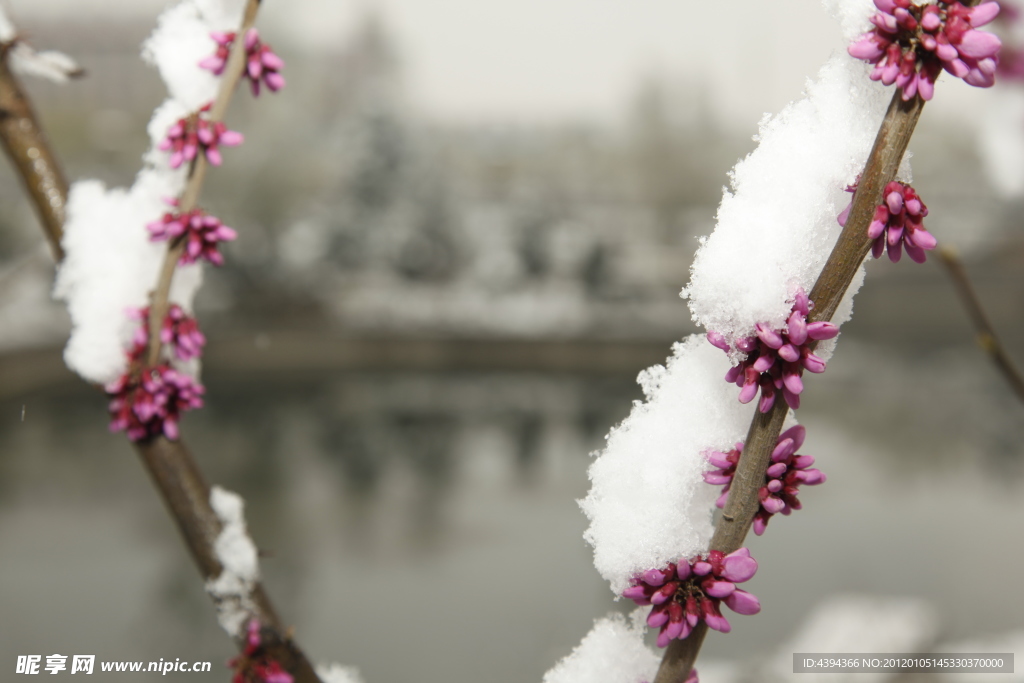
x=21 y=134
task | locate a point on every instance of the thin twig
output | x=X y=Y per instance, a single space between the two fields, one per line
x=187 y=497
x=26 y=146
x=170 y=464
x=233 y=72
x=847 y=254
x=986 y=334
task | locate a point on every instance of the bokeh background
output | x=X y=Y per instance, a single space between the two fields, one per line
x=464 y=227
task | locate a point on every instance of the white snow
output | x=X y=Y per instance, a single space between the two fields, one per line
x=232 y=590
x=181 y=40
x=777 y=224
x=336 y=673
x=613 y=652
x=648 y=504
x=110 y=263
x=49 y=64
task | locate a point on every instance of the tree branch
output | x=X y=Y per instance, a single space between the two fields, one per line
x=175 y=473
x=986 y=334
x=27 y=147
x=847 y=254
x=233 y=72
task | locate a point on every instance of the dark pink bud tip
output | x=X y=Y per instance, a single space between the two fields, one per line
x=798 y=433
x=743 y=602
x=718 y=623
x=844 y=215
x=785 y=448
x=653 y=577
x=657 y=618
x=738 y=567
x=979 y=44
x=770 y=337
x=772 y=504
x=789 y=353
x=634 y=593
x=718 y=589
x=717 y=340
x=719 y=460
x=822 y=330
x=984 y=13
x=746 y=344
x=814 y=364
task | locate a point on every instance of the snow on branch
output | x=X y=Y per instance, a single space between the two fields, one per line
x=111 y=262
x=613 y=652
x=232 y=590
x=49 y=64
x=648 y=504
x=777 y=224
x=336 y=673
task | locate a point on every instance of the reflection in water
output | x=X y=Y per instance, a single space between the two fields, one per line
x=425 y=525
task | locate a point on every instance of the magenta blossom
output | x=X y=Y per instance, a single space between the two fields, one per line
x=194 y=133
x=253 y=665
x=897 y=223
x=784 y=476
x=686 y=593
x=261 y=63
x=179 y=332
x=776 y=359
x=150 y=403
x=202 y=232
x=911 y=44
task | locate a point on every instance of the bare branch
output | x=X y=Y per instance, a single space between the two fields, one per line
x=27 y=147
x=986 y=334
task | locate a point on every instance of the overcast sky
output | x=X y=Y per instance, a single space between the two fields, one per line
x=542 y=60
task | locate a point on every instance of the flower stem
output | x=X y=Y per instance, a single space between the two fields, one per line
x=849 y=251
x=233 y=72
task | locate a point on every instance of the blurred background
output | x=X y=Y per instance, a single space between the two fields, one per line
x=464 y=227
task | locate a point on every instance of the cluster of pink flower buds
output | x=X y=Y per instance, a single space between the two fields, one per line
x=193 y=133
x=785 y=474
x=253 y=666
x=776 y=359
x=179 y=332
x=910 y=44
x=150 y=403
x=897 y=224
x=686 y=593
x=202 y=232
x=261 y=63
